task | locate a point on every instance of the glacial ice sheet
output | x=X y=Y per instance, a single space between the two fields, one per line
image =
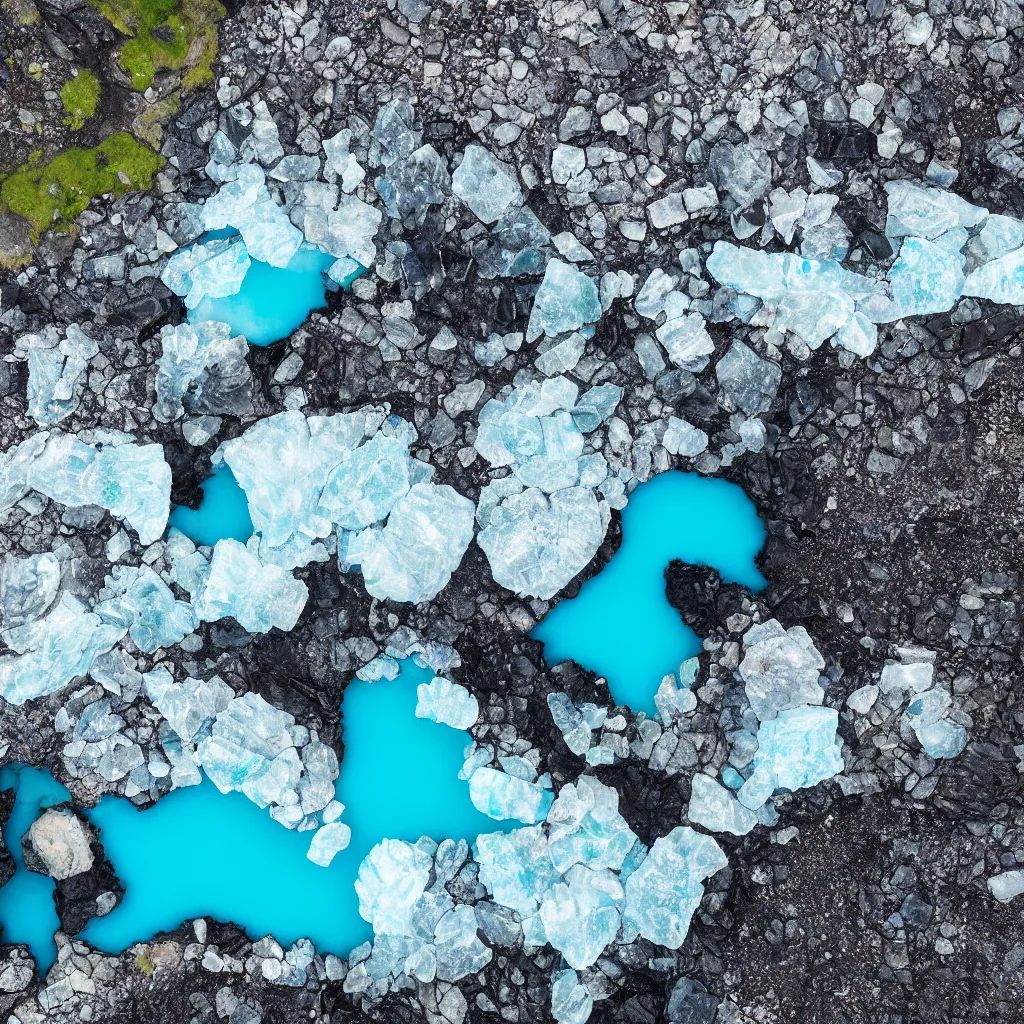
x=566 y=301
x=51 y=651
x=55 y=371
x=257 y=595
x=412 y=557
x=536 y=542
x=130 y=481
x=780 y=668
x=665 y=890
x=202 y=367
x=446 y=702
x=487 y=186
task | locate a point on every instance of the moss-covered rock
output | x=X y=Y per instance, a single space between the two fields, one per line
x=80 y=95
x=165 y=35
x=53 y=194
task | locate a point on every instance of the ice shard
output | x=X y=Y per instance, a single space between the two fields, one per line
x=258 y=596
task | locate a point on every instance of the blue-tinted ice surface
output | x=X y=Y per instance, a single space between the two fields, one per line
x=621 y=624
x=272 y=301
x=194 y=864
x=27 y=913
x=222 y=514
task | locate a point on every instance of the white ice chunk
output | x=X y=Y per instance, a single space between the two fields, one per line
x=487 y=186
x=781 y=668
x=391 y=879
x=664 y=892
x=258 y=596
x=413 y=556
x=536 y=543
x=446 y=702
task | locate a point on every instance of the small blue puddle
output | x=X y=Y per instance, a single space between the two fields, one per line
x=201 y=853
x=27 y=911
x=222 y=514
x=273 y=301
x=621 y=625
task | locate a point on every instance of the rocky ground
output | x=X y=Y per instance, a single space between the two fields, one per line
x=890 y=485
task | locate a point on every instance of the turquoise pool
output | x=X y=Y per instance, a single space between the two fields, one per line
x=621 y=624
x=200 y=853
x=222 y=514
x=273 y=301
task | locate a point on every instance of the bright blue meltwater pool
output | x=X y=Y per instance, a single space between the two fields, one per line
x=621 y=624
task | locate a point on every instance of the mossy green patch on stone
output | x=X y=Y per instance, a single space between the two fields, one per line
x=165 y=35
x=80 y=96
x=53 y=194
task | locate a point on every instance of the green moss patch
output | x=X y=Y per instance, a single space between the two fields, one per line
x=80 y=96
x=165 y=34
x=52 y=195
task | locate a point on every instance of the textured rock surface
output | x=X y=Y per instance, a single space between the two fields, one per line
x=777 y=243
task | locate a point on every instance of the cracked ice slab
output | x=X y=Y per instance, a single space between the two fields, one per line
x=146 y=606
x=55 y=369
x=51 y=651
x=505 y=797
x=213 y=269
x=487 y=186
x=292 y=469
x=714 y=807
x=412 y=557
x=566 y=301
x=204 y=367
x=798 y=749
x=392 y=878
x=535 y=542
x=781 y=668
x=664 y=892
x=258 y=596
x=131 y=481
x=814 y=299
